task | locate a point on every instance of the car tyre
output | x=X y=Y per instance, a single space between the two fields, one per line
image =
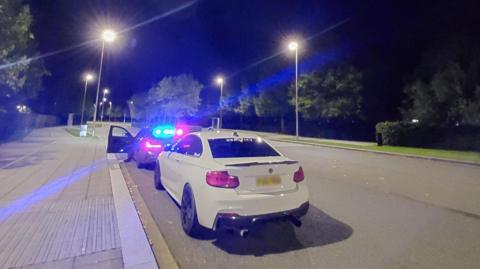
x=140 y=165
x=157 y=179
x=129 y=157
x=188 y=213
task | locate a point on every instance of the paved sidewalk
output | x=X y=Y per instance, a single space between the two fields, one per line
x=56 y=203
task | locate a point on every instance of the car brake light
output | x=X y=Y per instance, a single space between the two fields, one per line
x=179 y=132
x=298 y=175
x=150 y=145
x=222 y=179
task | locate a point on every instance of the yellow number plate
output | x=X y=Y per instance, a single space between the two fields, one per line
x=268 y=181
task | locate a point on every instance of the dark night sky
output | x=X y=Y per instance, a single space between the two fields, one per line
x=385 y=39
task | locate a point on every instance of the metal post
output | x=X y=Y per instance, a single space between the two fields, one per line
x=103 y=105
x=296 y=93
x=110 y=112
x=98 y=89
x=221 y=107
x=83 y=102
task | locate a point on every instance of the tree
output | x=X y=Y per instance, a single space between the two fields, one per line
x=444 y=89
x=331 y=94
x=245 y=102
x=115 y=112
x=273 y=103
x=18 y=75
x=174 y=97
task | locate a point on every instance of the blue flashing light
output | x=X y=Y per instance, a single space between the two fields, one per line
x=163 y=131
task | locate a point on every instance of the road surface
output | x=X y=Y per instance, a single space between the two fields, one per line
x=367 y=211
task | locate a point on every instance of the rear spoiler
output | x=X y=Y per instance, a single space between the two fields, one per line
x=260 y=163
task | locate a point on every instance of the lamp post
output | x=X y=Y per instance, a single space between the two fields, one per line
x=293 y=46
x=109 y=111
x=88 y=77
x=220 y=81
x=107 y=36
x=104 y=99
x=131 y=107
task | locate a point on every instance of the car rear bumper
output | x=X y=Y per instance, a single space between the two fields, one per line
x=231 y=220
x=213 y=202
x=147 y=157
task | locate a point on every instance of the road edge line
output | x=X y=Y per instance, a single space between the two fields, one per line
x=136 y=250
x=161 y=251
x=379 y=152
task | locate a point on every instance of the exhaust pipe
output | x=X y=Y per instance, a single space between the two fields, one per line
x=295 y=221
x=244 y=233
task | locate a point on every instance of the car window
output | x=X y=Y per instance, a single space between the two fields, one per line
x=119 y=132
x=240 y=148
x=190 y=145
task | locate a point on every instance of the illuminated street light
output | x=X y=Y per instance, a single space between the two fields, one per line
x=220 y=81
x=108 y=35
x=88 y=77
x=104 y=99
x=22 y=108
x=293 y=46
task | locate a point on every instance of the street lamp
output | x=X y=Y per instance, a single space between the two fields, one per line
x=219 y=80
x=109 y=111
x=293 y=46
x=104 y=99
x=108 y=36
x=88 y=77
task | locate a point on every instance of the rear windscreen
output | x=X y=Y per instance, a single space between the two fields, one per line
x=240 y=147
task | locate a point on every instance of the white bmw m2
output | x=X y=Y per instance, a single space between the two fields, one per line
x=232 y=180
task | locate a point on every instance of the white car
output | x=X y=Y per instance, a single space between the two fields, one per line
x=227 y=179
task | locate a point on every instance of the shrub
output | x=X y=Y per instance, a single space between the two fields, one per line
x=394 y=133
x=399 y=133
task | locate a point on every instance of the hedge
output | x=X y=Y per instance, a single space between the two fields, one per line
x=15 y=125
x=398 y=133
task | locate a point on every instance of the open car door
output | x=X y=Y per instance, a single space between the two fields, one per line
x=119 y=140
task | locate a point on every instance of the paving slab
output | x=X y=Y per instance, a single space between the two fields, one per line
x=56 y=203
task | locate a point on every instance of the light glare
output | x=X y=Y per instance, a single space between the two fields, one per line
x=293 y=45
x=109 y=35
x=89 y=76
x=219 y=80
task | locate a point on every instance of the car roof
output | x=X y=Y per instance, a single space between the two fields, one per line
x=215 y=133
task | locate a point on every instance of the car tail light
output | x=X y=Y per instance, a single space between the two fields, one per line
x=298 y=175
x=152 y=145
x=222 y=179
x=179 y=132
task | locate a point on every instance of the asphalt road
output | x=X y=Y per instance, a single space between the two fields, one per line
x=367 y=211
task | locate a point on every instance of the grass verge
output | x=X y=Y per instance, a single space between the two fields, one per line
x=457 y=155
